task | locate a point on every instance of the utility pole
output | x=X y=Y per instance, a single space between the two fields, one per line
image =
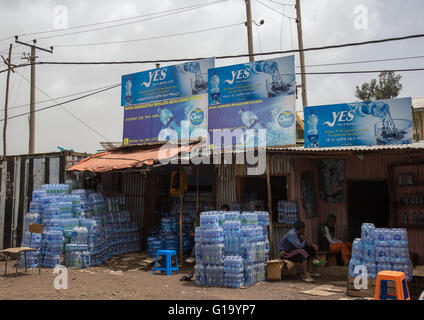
x=8 y=62
x=249 y=30
x=301 y=53
x=31 y=60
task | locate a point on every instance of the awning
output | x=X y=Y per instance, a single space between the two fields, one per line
x=131 y=158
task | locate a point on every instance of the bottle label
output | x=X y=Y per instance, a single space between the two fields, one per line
x=313 y=141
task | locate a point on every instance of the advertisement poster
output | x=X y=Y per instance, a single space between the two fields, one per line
x=145 y=123
x=255 y=95
x=381 y=122
x=183 y=80
x=252 y=81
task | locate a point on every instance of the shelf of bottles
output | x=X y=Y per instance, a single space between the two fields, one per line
x=409 y=197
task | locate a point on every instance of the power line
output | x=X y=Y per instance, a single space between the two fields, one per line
x=297 y=73
x=281 y=31
x=151 y=38
x=344 y=45
x=58 y=98
x=362 y=71
x=283 y=4
x=65 y=102
x=291 y=33
x=271 y=8
x=131 y=22
x=362 y=61
x=67 y=111
x=115 y=20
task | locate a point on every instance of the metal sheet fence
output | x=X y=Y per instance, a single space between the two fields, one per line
x=20 y=175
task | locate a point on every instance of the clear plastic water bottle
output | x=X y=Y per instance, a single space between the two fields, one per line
x=312 y=135
x=215 y=91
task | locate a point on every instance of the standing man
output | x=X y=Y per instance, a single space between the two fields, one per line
x=196 y=223
x=294 y=247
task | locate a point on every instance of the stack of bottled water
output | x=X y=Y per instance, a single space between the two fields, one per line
x=288 y=212
x=381 y=249
x=84 y=225
x=31 y=256
x=232 y=255
x=209 y=238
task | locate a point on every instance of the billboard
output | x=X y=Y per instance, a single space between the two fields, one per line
x=254 y=95
x=170 y=119
x=169 y=82
x=381 y=122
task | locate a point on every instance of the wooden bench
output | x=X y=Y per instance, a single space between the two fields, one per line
x=277 y=268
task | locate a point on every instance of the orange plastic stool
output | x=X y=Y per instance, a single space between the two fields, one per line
x=401 y=285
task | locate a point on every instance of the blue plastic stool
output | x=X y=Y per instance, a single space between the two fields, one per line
x=167 y=255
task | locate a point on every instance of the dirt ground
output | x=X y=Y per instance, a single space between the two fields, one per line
x=121 y=278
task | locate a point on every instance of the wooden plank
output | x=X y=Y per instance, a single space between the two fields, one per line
x=418 y=271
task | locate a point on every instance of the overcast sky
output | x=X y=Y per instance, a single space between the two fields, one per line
x=325 y=22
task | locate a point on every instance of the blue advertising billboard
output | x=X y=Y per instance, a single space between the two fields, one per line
x=254 y=95
x=183 y=80
x=253 y=80
x=381 y=122
x=170 y=119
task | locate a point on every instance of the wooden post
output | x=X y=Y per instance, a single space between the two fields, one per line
x=9 y=65
x=268 y=182
x=249 y=30
x=301 y=53
x=181 y=214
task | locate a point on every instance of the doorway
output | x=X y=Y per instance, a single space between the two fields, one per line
x=256 y=189
x=368 y=201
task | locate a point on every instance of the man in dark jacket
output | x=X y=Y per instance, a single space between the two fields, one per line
x=294 y=247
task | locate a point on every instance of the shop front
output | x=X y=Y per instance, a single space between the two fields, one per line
x=383 y=185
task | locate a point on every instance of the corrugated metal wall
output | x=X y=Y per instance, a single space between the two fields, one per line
x=225 y=184
x=133 y=186
x=371 y=167
x=20 y=175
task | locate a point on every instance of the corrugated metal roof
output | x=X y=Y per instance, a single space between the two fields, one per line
x=414 y=146
x=418 y=103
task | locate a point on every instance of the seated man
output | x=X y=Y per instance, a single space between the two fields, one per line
x=293 y=247
x=328 y=241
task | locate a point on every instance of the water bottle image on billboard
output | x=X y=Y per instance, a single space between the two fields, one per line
x=183 y=80
x=166 y=120
x=253 y=80
x=256 y=95
x=381 y=122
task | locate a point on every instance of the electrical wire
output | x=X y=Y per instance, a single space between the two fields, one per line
x=58 y=98
x=65 y=102
x=291 y=34
x=117 y=20
x=362 y=61
x=344 y=45
x=283 y=4
x=131 y=22
x=67 y=111
x=271 y=8
x=151 y=38
x=281 y=31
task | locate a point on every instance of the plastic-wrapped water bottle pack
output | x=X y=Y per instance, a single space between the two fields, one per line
x=381 y=249
x=232 y=253
x=88 y=225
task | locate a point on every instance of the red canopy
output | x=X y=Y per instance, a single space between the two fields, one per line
x=131 y=158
